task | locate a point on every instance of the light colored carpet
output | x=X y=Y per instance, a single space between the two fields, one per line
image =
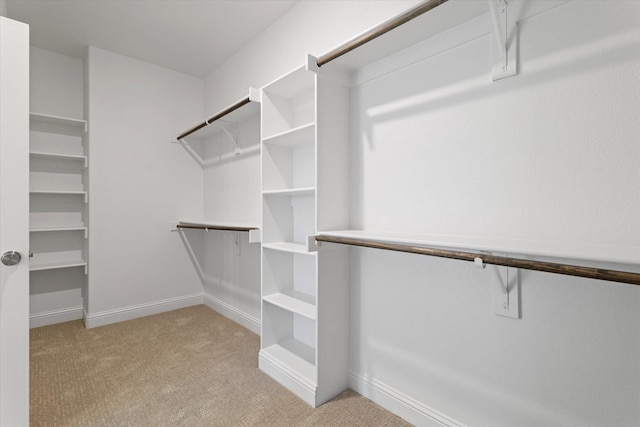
x=189 y=367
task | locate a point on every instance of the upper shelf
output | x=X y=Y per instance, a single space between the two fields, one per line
x=241 y=111
x=215 y=226
x=566 y=250
x=57 y=120
x=83 y=159
x=435 y=21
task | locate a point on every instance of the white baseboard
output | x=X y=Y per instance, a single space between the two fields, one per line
x=233 y=313
x=399 y=403
x=55 y=316
x=93 y=320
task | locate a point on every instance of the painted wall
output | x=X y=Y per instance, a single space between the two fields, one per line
x=232 y=196
x=56 y=88
x=548 y=155
x=57 y=84
x=139 y=183
x=310 y=27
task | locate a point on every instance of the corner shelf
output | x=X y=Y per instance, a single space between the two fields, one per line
x=57 y=229
x=83 y=159
x=84 y=194
x=35 y=266
x=58 y=214
x=57 y=120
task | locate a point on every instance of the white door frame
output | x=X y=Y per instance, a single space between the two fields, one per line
x=14 y=222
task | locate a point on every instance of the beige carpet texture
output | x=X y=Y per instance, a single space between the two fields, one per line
x=189 y=367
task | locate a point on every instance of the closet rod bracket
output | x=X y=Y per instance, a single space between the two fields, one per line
x=505 y=34
x=231 y=129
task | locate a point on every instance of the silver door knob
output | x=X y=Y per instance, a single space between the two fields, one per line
x=11 y=258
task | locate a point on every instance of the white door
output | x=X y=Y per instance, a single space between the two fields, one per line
x=14 y=223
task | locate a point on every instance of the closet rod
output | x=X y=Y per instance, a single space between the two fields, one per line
x=379 y=30
x=215 y=117
x=214 y=227
x=549 y=267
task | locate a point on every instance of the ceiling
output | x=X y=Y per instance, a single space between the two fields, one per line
x=190 y=36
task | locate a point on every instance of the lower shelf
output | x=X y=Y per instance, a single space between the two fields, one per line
x=36 y=266
x=295 y=358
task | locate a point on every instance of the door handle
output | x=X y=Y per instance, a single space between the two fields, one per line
x=11 y=258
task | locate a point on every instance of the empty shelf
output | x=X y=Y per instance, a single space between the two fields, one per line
x=457 y=247
x=292 y=304
x=36 y=266
x=297 y=248
x=294 y=356
x=301 y=135
x=64 y=121
x=290 y=192
x=211 y=226
x=55 y=229
x=83 y=159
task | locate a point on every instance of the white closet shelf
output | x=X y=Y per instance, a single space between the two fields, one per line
x=84 y=194
x=64 y=121
x=296 y=248
x=292 y=304
x=295 y=356
x=212 y=225
x=56 y=229
x=298 y=136
x=60 y=156
x=524 y=248
x=304 y=191
x=40 y=266
x=291 y=84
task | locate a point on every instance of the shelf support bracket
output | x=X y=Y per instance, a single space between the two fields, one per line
x=506 y=295
x=505 y=33
x=233 y=134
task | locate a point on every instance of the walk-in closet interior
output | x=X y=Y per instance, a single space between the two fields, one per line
x=433 y=203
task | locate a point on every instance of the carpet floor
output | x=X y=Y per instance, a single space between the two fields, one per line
x=189 y=367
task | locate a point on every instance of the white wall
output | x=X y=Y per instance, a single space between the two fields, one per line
x=424 y=340
x=139 y=183
x=310 y=27
x=546 y=157
x=57 y=84
x=56 y=88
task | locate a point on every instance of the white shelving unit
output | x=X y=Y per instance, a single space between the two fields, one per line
x=304 y=303
x=58 y=173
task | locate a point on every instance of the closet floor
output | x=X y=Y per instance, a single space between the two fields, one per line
x=189 y=367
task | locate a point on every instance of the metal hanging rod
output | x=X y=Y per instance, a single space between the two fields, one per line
x=548 y=267
x=219 y=115
x=379 y=30
x=193 y=225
